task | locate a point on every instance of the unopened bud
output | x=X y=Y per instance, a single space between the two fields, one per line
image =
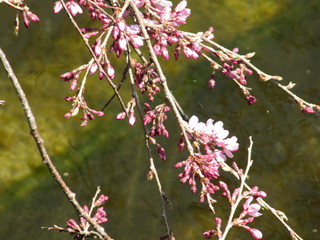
x=150 y=175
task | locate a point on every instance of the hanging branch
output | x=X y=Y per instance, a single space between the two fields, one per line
x=42 y=149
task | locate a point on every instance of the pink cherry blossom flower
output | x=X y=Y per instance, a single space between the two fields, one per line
x=251 y=209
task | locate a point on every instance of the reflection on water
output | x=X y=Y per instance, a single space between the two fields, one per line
x=285 y=36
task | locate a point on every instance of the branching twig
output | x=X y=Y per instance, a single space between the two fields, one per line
x=42 y=149
x=161 y=74
x=114 y=87
x=152 y=165
x=234 y=206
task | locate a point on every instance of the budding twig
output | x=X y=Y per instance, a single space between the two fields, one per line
x=42 y=149
x=114 y=87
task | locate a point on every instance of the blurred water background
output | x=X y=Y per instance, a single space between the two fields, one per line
x=286 y=38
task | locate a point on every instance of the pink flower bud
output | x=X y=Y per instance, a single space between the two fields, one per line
x=67 y=115
x=121 y=115
x=251 y=99
x=101 y=76
x=67 y=76
x=90 y=34
x=261 y=194
x=110 y=71
x=97 y=50
x=90 y=116
x=172 y=39
x=115 y=32
x=307 y=110
x=218 y=222
x=84 y=121
x=73 y=84
x=57 y=7
x=121 y=25
x=132 y=119
x=26 y=21
x=101 y=200
x=32 y=16
x=74 y=8
x=146 y=119
x=164 y=53
x=165 y=133
x=211 y=83
x=122 y=43
x=98 y=113
x=166 y=109
x=257 y=234
x=74 y=111
x=69 y=99
x=181 y=144
x=73 y=225
x=136 y=41
x=100 y=215
x=162 y=153
x=178 y=165
x=209 y=234
x=93 y=68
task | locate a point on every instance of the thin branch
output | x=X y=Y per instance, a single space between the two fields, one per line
x=152 y=165
x=239 y=198
x=161 y=74
x=114 y=87
x=42 y=149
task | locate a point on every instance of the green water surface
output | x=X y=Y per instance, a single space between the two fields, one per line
x=286 y=38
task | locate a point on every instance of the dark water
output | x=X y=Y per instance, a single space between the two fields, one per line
x=285 y=36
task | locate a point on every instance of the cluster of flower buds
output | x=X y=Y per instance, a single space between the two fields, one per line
x=146 y=78
x=122 y=34
x=156 y=116
x=250 y=211
x=78 y=103
x=211 y=233
x=128 y=111
x=73 y=76
x=212 y=138
x=28 y=16
x=81 y=228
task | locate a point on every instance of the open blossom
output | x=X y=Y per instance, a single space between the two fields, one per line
x=212 y=135
x=213 y=138
x=175 y=18
x=251 y=209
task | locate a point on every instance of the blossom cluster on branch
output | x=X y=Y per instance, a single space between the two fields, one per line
x=150 y=29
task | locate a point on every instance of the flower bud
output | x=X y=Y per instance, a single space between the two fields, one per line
x=211 y=83
x=150 y=175
x=132 y=119
x=162 y=153
x=121 y=115
x=257 y=234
